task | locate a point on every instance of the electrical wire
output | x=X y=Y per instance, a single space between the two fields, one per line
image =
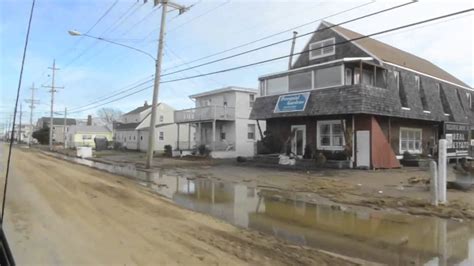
x=15 y=112
x=290 y=39
x=286 y=56
x=271 y=35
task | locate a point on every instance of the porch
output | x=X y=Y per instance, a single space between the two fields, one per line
x=215 y=135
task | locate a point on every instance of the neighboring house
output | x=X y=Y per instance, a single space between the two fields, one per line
x=58 y=127
x=83 y=136
x=366 y=99
x=132 y=132
x=221 y=119
x=22 y=133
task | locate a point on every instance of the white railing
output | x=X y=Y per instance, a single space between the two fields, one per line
x=218 y=145
x=204 y=113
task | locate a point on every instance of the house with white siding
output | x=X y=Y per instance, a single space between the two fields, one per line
x=132 y=131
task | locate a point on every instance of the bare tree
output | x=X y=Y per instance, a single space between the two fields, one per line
x=109 y=115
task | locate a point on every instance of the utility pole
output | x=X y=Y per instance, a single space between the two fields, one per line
x=52 y=91
x=65 y=124
x=19 y=128
x=32 y=103
x=156 y=87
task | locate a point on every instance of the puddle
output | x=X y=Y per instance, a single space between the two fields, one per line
x=392 y=239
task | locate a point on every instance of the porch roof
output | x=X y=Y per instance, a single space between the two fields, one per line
x=354 y=99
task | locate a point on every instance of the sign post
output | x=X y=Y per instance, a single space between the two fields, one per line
x=442 y=165
x=434 y=183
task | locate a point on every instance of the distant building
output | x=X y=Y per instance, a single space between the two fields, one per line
x=221 y=119
x=132 y=131
x=58 y=127
x=83 y=136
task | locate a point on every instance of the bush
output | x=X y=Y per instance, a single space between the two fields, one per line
x=117 y=146
x=308 y=152
x=203 y=150
x=320 y=159
x=335 y=155
x=42 y=135
x=168 y=150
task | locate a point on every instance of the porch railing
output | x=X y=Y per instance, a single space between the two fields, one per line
x=204 y=113
x=218 y=145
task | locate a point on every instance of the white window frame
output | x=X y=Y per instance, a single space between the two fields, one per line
x=318 y=135
x=396 y=74
x=161 y=135
x=414 y=151
x=313 y=78
x=254 y=131
x=310 y=47
x=162 y=118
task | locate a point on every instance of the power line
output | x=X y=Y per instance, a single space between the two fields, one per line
x=319 y=48
x=14 y=113
x=127 y=88
x=346 y=10
x=273 y=35
x=290 y=39
x=286 y=56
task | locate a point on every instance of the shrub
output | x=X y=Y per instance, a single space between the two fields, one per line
x=42 y=135
x=203 y=150
x=320 y=159
x=308 y=152
x=168 y=150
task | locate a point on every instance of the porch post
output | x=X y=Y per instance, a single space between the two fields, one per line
x=375 y=76
x=199 y=133
x=360 y=72
x=189 y=136
x=259 y=129
x=177 y=143
x=213 y=134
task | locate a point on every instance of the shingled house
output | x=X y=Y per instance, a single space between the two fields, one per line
x=365 y=100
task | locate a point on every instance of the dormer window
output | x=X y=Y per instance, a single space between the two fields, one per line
x=322 y=48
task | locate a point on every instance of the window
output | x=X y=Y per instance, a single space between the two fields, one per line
x=410 y=140
x=251 y=131
x=468 y=95
x=141 y=137
x=300 y=81
x=84 y=137
x=277 y=85
x=161 y=135
x=328 y=77
x=161 y=118
x=417 y=82
x=348 y=80
x=251 y=99
x=222 y=135
x=397 y=79
x=322 y=48
x=330 y=135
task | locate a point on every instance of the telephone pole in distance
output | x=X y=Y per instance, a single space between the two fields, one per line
x=52 y=91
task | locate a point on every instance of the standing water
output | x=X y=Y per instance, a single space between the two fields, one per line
x=393 y=239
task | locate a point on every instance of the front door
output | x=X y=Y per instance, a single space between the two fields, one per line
x=298 y=140
x=363 y=148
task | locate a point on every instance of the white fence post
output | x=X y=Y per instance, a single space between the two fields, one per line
x=434 y=183
x=442 y=165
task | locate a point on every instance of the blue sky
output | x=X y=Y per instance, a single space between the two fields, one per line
x=91 y=69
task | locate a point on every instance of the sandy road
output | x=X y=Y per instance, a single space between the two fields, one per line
x=60 y=213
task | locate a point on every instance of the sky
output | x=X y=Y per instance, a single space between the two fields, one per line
x=91 y=70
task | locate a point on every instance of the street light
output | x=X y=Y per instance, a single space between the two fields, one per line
x=157 y=60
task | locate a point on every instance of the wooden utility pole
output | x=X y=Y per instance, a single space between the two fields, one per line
x=52 y=91
x=19 y=128
x=32 y=103
x=156 y=87
x=65 y=124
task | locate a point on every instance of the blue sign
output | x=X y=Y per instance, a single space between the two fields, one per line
x=292 y=102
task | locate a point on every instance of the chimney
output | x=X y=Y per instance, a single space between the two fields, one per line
x=292 y=50
x=146 y=104
x=89 y=120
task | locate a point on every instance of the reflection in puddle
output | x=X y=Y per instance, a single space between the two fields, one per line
x=385 y=238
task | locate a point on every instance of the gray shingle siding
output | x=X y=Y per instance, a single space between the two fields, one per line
x=342 y=50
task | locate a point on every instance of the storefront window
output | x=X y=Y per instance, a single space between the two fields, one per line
x=277 y=85
x=330 y=135
x=300 y=81
x=328 y=77
x=410 y=140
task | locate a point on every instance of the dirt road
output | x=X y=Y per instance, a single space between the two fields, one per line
x=60 y=213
